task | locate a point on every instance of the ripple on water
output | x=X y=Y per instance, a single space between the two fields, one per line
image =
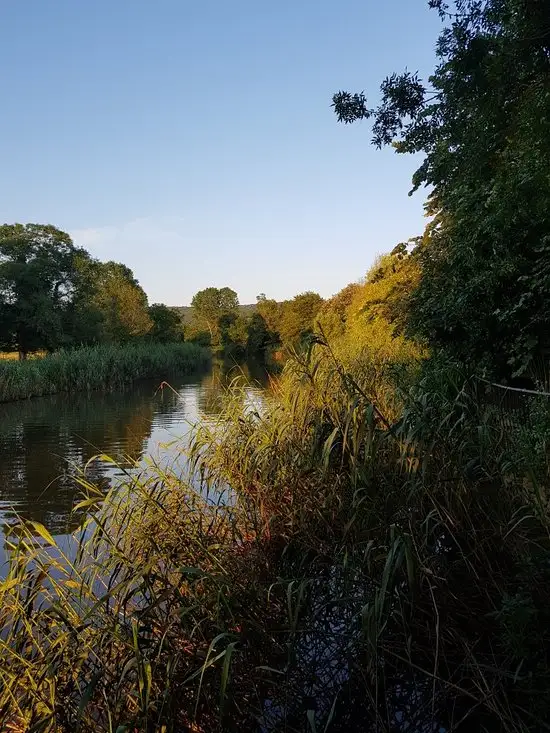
x=45 y=441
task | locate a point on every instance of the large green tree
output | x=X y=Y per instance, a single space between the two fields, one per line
x=264 y=326
x=84 y=319
x=121 y=301
x=272 y=312
x=38 y=281
x=167 y=326
x=482 y=122
x=212 y=307
x=334 y=312
x=298 y=317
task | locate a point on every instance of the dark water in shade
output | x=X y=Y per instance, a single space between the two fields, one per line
x=44 y=441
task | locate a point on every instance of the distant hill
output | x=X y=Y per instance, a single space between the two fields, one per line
x=185 y=312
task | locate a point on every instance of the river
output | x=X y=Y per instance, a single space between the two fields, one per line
x=44 y=441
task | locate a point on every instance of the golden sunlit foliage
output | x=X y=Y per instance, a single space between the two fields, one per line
x=370 y=317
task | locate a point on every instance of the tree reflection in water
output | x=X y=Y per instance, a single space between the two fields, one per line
x=44 y=442
x=252 y=376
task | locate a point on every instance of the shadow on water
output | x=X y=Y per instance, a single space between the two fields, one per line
x=45 y=441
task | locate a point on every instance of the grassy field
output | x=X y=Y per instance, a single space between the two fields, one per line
x=98 y=367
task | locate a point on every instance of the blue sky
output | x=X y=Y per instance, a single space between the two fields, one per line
x=194 y=141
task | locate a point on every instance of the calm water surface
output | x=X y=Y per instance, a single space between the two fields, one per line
x=44 y=441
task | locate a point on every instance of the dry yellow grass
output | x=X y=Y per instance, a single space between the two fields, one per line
x=13 y=355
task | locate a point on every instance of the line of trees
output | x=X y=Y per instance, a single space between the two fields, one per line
x=54 y=295
x=219 y=321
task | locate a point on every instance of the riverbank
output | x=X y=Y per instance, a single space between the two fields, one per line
x=384 y=558
x=103 y=367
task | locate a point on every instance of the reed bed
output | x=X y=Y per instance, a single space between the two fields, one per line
x=104 y=367
x=377 y=564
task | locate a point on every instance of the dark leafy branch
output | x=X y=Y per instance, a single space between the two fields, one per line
x=482 y=122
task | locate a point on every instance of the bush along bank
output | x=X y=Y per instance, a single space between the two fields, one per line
x=384 y=560
x=105 y=367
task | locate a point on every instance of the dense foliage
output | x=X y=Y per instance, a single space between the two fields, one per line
x=55 y=295
x=255 y=330
x=383 y=560
x=371 y=316
x=39 y=278
x=167 y=326
x=482 y=122
x=215 y=309
x=121 y=302
x=298 y=317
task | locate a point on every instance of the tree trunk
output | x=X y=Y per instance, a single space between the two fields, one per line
x=22 y=355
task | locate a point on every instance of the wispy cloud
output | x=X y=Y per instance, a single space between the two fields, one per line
x=174 y=257
x=145 y=245
x=114 y=241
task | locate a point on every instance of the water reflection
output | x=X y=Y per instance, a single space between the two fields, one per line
x=222 y=377
x=44 y=441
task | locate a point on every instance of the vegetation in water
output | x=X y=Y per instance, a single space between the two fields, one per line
x=380 y=551
x=104 y=367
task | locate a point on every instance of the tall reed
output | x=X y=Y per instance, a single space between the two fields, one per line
x=97 y=367
x=380 y=562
